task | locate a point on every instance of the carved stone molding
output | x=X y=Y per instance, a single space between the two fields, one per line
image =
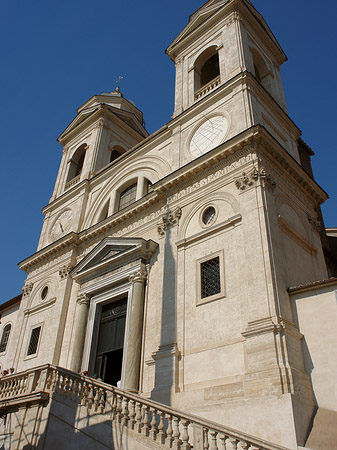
x=139 y=276
x=169 y=219
x=235 y=17
x=65 y=270
x=248 y=180
x=27 y=289
x=65 y=149
x=83 y=299
x=315 y=223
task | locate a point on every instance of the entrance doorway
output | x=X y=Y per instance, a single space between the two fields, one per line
x=109 y=354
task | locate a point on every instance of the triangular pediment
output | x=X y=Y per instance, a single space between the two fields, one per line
x=197 y=18
x=113 y=253
x=85 y=115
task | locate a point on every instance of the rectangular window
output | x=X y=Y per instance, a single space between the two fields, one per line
x=210 y=277
x=34 y=340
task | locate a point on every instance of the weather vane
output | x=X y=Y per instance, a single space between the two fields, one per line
x=118 y=82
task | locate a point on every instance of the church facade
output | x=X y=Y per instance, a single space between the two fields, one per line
x=189 y=266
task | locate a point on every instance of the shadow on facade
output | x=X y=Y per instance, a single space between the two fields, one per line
x=166 y=356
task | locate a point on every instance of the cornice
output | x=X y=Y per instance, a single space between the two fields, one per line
x=70 y=239
x=253 y=140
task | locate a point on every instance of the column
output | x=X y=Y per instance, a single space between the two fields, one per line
x=135 y=331
x=83 y=302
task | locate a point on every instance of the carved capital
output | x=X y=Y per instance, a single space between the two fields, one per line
x=65 y=150
x=248 y=179
x=83 y=299
x=100 y=124
x=139 y=276
x=64 y=271
x=235 y=17
x=27 y=289
x=314 y=222
x=169 y=219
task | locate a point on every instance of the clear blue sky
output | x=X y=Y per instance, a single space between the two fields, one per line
x=57 y=54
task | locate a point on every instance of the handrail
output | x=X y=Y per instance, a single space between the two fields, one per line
x=165 y=425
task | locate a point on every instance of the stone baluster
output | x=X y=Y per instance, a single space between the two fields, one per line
x=185 y=437
x=223 y=439
x=134 y=341
x=244 y=445
x=96 y=398
x=154 y=432
x=132 y=414
x=119 y=408
x=161 y=427
x=125 y=412
x=91 y=395
x=145 y=422
x=169 y=432
x=214 y=435
x=234 y=442
x=85 y=392
x=176 y=434
x=206 y=444
x=83 y=302
x=102 y=397
x=139 y=423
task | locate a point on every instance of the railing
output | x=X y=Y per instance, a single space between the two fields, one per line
x=207 y=88
x=73 y=181
x=166 y=426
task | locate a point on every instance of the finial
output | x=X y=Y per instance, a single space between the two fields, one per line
x=118 y=81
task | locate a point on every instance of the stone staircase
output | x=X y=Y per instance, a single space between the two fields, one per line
x=51 y=407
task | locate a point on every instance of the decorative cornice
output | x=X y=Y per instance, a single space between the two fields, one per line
x=169 y=219
x=27 y=289
x=65 y=270
x=138 y=277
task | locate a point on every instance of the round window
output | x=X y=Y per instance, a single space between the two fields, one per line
x=208 y=215
x=44 y=292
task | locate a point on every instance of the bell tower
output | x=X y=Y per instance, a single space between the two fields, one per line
x=228 y=49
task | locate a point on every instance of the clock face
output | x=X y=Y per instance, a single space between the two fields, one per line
x=62 y=225
x=208 y=135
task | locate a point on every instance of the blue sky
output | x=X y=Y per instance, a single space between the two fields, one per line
x=57 y=54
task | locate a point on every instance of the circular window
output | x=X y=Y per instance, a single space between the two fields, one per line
x=44 y=292
x=208 y=215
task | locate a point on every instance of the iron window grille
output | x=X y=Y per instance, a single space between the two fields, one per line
x=210 y=277
x=34 y=340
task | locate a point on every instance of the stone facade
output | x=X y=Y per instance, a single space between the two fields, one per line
x=201 y=228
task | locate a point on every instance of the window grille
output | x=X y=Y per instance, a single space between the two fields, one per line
x=4 y=338
x=128 y=196
x=34 y=340
x=210 y=277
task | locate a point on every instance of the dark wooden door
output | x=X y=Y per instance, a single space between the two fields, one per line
x=109 y=353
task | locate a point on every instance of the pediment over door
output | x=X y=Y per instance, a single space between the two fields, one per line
x=111 y=254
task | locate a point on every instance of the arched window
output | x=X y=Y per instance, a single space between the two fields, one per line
x=116 y=152
x=128 y=196
x=77 y=162
x=206 y=69
x=5 y=337
x=260 y=68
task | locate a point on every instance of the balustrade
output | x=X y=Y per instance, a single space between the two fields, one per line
x=156 y=422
